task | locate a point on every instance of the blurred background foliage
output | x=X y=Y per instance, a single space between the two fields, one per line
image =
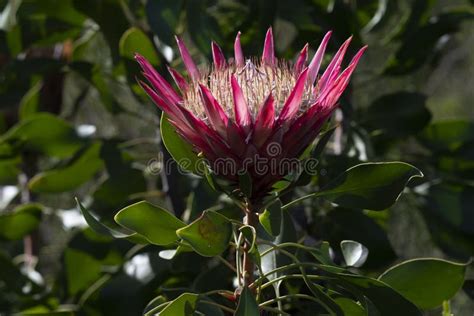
x=74 y=123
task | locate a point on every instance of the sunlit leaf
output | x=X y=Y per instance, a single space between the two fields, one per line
x=156 y=224
x=181 y=151
x=135 y=41
x=103 y=229
x=247 y=304
x=374 y=186
x=185 y=304
x=386 y=300
x=209 y=235
x=271 y=218
x=426 y=282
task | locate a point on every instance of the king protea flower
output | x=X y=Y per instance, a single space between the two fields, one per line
x=239 y=108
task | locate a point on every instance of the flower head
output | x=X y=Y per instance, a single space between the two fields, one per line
x=241 y=113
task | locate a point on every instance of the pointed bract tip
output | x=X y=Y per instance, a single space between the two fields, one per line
x=238 y=54
x=349 y=39
x=217 y=55
x=358 y=55
x=268 y=55
x=363 y=49
x=327 y=36
x=187 y=59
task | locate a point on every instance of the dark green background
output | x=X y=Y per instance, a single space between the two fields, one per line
x=67 y=68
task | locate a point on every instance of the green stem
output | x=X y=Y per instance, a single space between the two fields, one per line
x=153 y=311
x=238 y=267
x=286 y=245
x=288 y=277
x=308 y=283
x=285 y=297
x=250 y=219
x=447 y=309
x=280 y=269
x=298 y=200
x=276 y=287
x=216 y=292
x=227 y=264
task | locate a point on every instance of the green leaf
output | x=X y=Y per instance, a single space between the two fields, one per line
x=386 y=300
x=169 y=254
x=46 y=134
x=102 y=229
x=135 y=41
x=154 y=303
x=184 y=305
x=349 y=307
x=81 y=170
x=373 y=186
x=163 y=17
x=181 y=151
x=81 y=270
x=156 y=224
x=426 y=282
x=20 y=222
x=247 y=304
x=208 y=235
x=271 y=218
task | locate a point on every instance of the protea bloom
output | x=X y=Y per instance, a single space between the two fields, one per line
x=239 y=108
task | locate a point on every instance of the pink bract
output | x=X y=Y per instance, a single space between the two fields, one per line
x=240 y=111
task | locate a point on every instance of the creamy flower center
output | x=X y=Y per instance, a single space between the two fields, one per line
x=256 y=80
